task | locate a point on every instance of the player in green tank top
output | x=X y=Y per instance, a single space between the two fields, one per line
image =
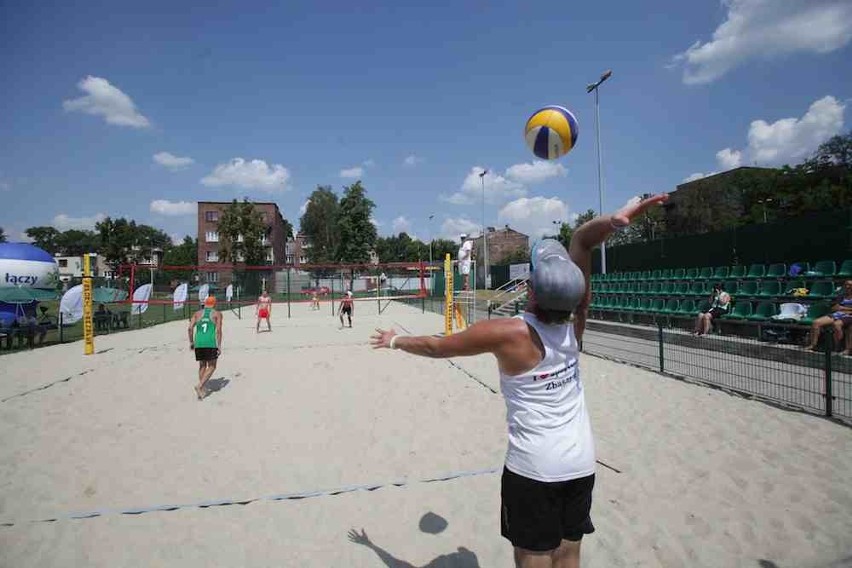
x=205 y=338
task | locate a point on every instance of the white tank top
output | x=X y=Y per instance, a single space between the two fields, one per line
x=550 y=437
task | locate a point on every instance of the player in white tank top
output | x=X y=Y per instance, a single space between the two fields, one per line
x=550 y=440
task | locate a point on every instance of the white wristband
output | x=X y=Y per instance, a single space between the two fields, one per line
x=393 y=341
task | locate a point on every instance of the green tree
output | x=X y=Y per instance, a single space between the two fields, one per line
x=116 y=240
x=184 y=254
x=74 y=242
x=319 y=224
x=356 y=231
x=44 y=238
x=2 y=235
x=518 y=256
x=442 y=247
x=834 y=152
x=566 y=231
x=241 y=232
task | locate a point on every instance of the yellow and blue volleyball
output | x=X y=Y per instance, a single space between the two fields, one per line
x=551 y=132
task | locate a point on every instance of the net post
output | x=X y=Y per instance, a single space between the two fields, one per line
x=88 y=327
x=448 y=295
x=331 y=294
x=288 y=292
x=829 y=343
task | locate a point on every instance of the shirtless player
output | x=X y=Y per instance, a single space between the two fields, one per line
x=264 y=310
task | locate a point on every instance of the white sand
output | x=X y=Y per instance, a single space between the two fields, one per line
x=706 y=479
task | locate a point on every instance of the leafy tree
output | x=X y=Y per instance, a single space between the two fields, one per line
x=241 y=232
x=356 y=231
x=319 y=224
x=116 y=240
x=44 y=238
x=401 y=248
x=442 y=247
x=517 y=256
x=834 y=152
x=584 y=218
x=566 y=231
x=2 y=235
x=184 y=254
x=74 y=242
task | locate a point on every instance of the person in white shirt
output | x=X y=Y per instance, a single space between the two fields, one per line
x=546 y=488
x=464 y=257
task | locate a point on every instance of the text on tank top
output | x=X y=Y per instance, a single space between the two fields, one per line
x=205 y=330
x=550 y=437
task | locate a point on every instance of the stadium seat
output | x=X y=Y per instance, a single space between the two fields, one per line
x=815 y=310
x=678 y=274
x=666 y=288
x=792 y=284
x=644 y=305
x=654 y=288
x=741 y=311
x=737 y=273
x=657 y=305
x=642 y=288
x=803 y=268
x=682 y=288
x=845 y=269
x=687 y=308
x=692 y=273
x=699 y=288
x=770 y=288
x=721 y=273
x=748 y=288
x=645 y=275
x=666 y=274
x=632 y=305
x=764 y=311
x=731 y=287
x=823 y=269
x=670 y=307
x=705 y=273
x=756 y=271
x=822 y=289
x=777 y=270
x=655 y=274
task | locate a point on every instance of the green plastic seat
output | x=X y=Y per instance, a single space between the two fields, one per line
x=705 y=273
x=763 y=312
x=633 y=304
x=687 y=308
x=720 y=273
x=777 y=270
x=699 y=288
x=822 y=289
x=678 y=274
x=654 y=288
x=815 y=310
x=657 y=305
x=823 y=269
x=642 y=288
x=748 y=288
x=756 y=271
x=666 y=288
x=692 y=273
x=737 y=273
x=845 y=269
x=645 y=275
x=732 y=287
x=666 y=274
x=792 y=284
x=655 y=274
x=681 y=288
x=741 y=311
x=770 y=288
x=644 y=305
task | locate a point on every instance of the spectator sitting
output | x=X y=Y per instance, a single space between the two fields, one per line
x=29 y=327
x=839 y=318
x=102 y=317
x=720 y=303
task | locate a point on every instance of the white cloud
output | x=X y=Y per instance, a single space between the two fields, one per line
x=400 y=225
x=536 y=172
x=412 y=160
x=368 y=163
x=788 y=140
x=254 y=174
x=498 y=189
x=376 y=223
x=352 y=173
x=763 y=29
x=729 y=159
x=534 y=216
x=304 y=207
x=172 y=162
x=176 y=238
x=452 y=227
x=103 y=99
x=697 y=176
x=65 y=222
x=172 y=208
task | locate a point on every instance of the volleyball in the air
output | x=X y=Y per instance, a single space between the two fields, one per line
x=551 y=132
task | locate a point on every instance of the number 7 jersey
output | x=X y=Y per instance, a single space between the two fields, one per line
x=205 y=330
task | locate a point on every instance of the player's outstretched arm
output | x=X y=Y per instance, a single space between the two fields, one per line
x=483 y=337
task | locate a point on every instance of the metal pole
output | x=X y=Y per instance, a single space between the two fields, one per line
x=660 y=340
x=288 y=293
x=600 y=173
x=484 y=238
x=829 y=398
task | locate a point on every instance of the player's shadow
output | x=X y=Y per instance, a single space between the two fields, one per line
x=432 y=524
x=215 y=385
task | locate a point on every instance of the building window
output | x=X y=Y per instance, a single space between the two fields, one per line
x=289 y=259
x=212 y=256
x=212 y=237
x=270 y=256
x=63 y=263
x=212 y=277
x=264 y=241
x=303 y=260
x=240 y=238
x=211 y=216
x=240 y=257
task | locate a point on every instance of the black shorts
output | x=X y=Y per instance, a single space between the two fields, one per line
x=347 y=310
x=716 y=312
x=537 y=516
x=206 y=353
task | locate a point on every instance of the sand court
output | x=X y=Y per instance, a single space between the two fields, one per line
x=304 y=414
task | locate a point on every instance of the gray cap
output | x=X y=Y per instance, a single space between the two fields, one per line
x=558 y=283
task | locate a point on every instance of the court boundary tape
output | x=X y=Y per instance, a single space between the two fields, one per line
x=279 y=497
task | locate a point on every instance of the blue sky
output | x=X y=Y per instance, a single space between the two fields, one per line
x=140 y=109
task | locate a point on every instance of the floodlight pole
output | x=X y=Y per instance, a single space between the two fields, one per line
x=431 y=288
x=484 y=236
x=589 y=89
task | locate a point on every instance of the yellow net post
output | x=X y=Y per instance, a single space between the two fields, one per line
x=448 y=295
x=88 y=328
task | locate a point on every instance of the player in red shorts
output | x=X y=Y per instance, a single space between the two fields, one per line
x=264 y=311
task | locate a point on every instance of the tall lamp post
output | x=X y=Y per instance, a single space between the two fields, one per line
x=764 y=202
x=589 y=88
x=484 y=234
x=431 y=288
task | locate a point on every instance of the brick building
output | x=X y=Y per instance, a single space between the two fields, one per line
x=501 y=243
x=295 y=251
x=209 y=213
